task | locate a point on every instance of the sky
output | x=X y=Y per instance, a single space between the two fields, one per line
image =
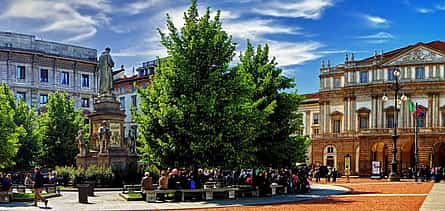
x=300 y=33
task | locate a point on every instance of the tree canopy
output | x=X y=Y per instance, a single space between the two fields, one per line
x=200 y=110
x=59 y=126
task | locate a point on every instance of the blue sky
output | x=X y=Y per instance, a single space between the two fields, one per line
x=301 y=33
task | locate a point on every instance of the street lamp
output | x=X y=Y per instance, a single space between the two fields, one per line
x=396 y=87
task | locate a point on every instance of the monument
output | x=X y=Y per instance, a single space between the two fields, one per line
x=107 y=146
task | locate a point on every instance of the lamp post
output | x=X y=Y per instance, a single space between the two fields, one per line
x=393 y=176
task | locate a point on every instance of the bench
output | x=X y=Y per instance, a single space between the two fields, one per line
x=151 y=195
x=184 y=191
x=229 y=190
x=274 y=188
x=6 y=196
x=131 y=189
x=51 y=188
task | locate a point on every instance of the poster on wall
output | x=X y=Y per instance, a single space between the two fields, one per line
x=348 y=162
x=375 y=167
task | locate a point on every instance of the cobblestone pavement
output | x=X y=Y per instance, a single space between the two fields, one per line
x=111 y=201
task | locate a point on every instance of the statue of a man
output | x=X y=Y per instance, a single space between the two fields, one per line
x=81 y=143
x=104 y=136
x=106 y=64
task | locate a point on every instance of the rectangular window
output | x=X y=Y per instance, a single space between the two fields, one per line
x=420 y=73
x=315 y=118
x=20 y=96
x=43 y=99
x=44 y=75
x=363 y=122
x=337 y=126
x=122 y=102
x=85 y=102
x=65 y=78
x=20 y=72
x=337 y=82
x=122 y=89
x=85 y=80
x=421 y=121
x=315 y=132
x=364 y=77
x=390 y=120
x=391 y=75
x=134 y=101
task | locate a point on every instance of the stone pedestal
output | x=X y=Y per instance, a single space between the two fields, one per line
x=114 y=153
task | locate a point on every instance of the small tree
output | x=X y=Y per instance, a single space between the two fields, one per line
x=60 y=125
x=9 y=132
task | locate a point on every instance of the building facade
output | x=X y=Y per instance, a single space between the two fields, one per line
x=356 y=124
x=125 y=89
x=35 y=68
x=310 y=109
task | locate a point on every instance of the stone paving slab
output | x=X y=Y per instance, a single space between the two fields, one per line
x=110 y=200
x=435 y=199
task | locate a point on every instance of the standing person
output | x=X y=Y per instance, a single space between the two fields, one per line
x=38 y=185
x=334 y=175
x=7 y=183
x=28 y=180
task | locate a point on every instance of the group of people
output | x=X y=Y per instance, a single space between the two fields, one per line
x=296 y=180
x=35 y=180
x=425 y=173
x=319 y=172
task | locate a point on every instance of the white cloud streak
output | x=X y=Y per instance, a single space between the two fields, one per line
x=309 y=9
x=61 y=16
x=379 y=37
x=376 y=21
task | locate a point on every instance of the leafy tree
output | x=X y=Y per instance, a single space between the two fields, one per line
x=60 y=125
x=30 y=151
x=9 y=132
x=197 y=112
x=276 y=147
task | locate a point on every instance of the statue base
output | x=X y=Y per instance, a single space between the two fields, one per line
x=116 y=154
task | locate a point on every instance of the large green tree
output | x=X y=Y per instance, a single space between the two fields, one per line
x=59 y=126
x=9 y=131
x=30 y=151
x=196 y=111
x=277 y=146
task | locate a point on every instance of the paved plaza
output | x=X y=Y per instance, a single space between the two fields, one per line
x=110 y=200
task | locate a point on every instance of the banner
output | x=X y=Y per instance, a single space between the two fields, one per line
x=375 y=167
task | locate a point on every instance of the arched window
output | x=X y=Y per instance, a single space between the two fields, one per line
x=330 y=156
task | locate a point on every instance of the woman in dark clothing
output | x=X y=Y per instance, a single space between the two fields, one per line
x=38 y=185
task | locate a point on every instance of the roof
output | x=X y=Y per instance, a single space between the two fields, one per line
x=131 y=79
x=436 y=45
x=311 y=96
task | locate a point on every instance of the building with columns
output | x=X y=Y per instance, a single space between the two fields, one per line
x=310 y=110
x=356 y=124
x=34 y=68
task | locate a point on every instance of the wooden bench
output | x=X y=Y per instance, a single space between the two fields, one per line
x=6 y=196
x=131 y=189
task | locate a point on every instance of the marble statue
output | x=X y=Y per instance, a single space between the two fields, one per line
x=104 y=136
x=81 y=143
x=106 y=64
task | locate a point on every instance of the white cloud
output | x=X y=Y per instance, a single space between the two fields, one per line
x=376 y=21
x=424 y=10
x=253 y=29
x=309 y=9
x=139 y=6
x=60 y=16
x=379 y=37
x=293 y=53
x=440 y=6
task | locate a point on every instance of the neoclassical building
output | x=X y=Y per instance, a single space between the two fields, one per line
x=34 y=68
x=355 y=124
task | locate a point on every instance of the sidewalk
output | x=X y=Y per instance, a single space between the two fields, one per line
x=435 y=199
x=109 y=200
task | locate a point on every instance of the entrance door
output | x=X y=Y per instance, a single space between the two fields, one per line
x=441 y=156
x=330 y=161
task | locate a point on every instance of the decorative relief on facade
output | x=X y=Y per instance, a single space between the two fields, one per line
x=419 y=55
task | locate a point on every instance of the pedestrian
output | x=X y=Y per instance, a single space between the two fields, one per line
x=28 y=180
x=38 y=185
x=334 y=175
x=7 y=183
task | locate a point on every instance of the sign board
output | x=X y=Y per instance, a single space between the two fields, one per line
x=347 y=162
x=375 y=167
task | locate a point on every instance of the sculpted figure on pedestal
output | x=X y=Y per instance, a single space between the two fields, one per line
x=106 y=65
x=104 y=136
